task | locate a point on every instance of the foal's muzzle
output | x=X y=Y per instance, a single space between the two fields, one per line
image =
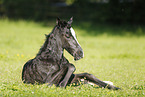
x=78 y=55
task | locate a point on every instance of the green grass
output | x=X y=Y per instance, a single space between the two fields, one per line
x=119 y=58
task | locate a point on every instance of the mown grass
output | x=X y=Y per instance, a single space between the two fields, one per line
x=119 y=58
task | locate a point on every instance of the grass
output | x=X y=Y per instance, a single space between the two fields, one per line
x=119 y=58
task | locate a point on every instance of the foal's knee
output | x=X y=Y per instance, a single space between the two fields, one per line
x=71 y=67
x=87 y=75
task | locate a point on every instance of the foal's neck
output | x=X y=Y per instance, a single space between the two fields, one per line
x=52 y=48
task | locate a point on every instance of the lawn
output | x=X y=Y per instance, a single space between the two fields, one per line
x=112 y=53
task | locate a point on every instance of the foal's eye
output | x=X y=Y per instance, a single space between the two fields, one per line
x=67 y=35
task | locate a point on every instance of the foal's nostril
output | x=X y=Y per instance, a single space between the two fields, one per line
x=81 y=54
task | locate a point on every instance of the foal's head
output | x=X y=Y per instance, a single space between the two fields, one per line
x=68 y=39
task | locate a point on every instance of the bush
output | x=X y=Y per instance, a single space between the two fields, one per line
x=113 y=11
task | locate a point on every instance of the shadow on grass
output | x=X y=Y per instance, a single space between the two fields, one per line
x=94 y=29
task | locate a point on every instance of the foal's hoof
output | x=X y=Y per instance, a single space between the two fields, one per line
x=62 y=85
x=111 y=87
x=116 y=88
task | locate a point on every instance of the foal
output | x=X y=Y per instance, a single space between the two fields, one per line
x=50 y=66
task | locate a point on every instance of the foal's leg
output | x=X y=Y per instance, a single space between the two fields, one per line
x=93 y=79
x=71 y=69
x=50 y=79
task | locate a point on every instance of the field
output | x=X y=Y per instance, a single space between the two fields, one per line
x=112 y=53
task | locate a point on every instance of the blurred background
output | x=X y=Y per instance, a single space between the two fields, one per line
x=111 y=33
x=100 y=11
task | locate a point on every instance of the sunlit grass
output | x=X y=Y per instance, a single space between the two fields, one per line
x=119 y=58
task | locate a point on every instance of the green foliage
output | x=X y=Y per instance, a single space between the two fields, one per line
x=117 y=58
x=69 y=2
x=114 y=11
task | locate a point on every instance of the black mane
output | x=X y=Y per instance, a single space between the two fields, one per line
x=48 y=38
x=63 y=24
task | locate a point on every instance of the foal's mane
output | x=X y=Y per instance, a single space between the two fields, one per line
x=61 y=24
x=46 y=41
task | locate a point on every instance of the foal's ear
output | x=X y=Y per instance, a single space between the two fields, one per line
x=58 y=21
x=70 y=21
